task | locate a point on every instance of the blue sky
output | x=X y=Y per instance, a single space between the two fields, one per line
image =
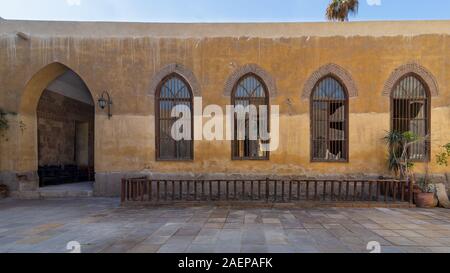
x=215 y=10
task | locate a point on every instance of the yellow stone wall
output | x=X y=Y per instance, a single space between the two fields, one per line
x=125 y=66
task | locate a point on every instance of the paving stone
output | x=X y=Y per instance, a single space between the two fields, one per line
x=230 y=236
x=408 y=233
x=100 y=225
x=33 y=240
x=281 y=248
x=205 y=240
x=217 y=220
x=248 y=248
x=275 y=238
x=439 y=249
x=201 y=248
x=253 y=237
x=157 y=239
x=271 y=221
x=391 y=249
x=120 y=247
x=228 y=248
x=209 y=232
x=372 y=226
x=232 y=226
x=173 y=248
x=144 y=248
x=422 y=241
x=188 y=231
x=413 y=249
x=386 y=232
x=310 y=248
x=430 y=233
x=214 y=225
x=341 y=232
x=313 y=226
x=180 y=240
x=401 y=241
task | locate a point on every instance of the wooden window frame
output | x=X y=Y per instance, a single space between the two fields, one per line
x=158 y=114
x=233 y=102
x=347 y=123
x=427 y=157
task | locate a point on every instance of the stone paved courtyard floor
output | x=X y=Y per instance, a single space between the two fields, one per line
x=101 y=225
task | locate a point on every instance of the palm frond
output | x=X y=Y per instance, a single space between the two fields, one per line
x=339 y=10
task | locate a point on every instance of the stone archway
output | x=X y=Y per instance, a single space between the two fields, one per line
x=330 y=70
x=416 y=69
x=27 y=163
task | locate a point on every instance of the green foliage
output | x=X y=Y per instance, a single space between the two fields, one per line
x=398 y=143
x=425 y=186
x=409 y=137
x=4 y=123
x=442 y=158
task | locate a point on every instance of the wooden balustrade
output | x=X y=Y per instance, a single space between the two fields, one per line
x=268 y=190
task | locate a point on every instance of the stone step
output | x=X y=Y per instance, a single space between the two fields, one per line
x=79 y=190
x=65 y=194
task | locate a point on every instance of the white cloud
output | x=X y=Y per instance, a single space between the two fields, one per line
x=374 y=2
x=73 y=2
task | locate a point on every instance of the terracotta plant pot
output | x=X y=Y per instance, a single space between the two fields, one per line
x=425 y=200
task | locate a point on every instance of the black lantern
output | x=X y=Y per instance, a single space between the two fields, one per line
x=105 y=101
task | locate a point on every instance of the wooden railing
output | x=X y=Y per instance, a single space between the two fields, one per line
x=269 y=190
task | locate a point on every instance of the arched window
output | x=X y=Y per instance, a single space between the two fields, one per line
x=411 y=113
x=173 y=92
x=250 y=91
x=329 y=121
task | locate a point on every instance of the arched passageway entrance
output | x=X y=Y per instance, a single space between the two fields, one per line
x=65 y=122
x=58 y=142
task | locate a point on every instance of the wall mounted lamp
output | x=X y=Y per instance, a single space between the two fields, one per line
x=105 y=101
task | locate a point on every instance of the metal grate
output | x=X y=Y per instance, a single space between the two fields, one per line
x=329 y=121
x=173 y=92
x=410 y=112
x=250 y=90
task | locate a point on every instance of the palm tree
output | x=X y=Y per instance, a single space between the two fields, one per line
x=339 y=10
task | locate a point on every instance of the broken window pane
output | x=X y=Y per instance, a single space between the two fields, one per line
x=249 y=91
x=328 y=120
x=410 y=113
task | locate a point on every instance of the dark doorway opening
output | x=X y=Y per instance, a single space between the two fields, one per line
x=65 y=117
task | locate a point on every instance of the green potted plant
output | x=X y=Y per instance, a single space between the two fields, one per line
x=400 y=163
x=426 y=198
